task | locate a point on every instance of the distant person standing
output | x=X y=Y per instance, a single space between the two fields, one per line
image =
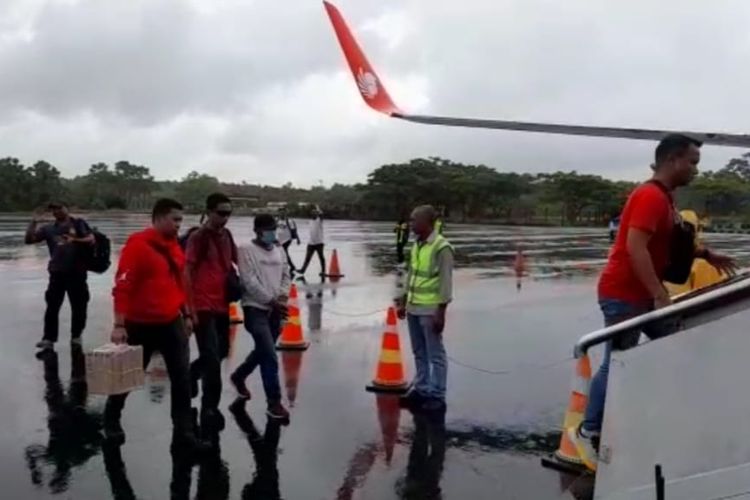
x=265 y=277
x=66 y=239
x=151 y=311
x=286 y=233
x=402 y=239
x=429 y=291
x=210 y=258
x=631 y=283
x=315 y=243
x=440 y=220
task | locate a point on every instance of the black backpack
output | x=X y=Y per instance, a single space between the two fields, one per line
x=183 y=240
x=681 y=247
x=97 y=257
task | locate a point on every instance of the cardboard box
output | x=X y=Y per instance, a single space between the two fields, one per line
x=114 y=369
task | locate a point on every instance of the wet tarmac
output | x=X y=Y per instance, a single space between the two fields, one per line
x=509 y=340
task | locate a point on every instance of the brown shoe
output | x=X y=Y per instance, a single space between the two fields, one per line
x=277 y=411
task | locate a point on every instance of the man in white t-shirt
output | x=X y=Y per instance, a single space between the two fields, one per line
x=286 y=232
x=315 y=242
x=265 y=279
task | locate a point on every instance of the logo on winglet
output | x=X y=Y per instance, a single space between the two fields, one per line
x=367 y=83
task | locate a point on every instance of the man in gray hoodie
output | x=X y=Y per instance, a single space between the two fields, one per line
x=264 y=273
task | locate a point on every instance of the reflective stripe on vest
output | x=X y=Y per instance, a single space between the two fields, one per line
x=424 y=284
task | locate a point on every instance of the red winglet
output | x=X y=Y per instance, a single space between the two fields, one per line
x=368 y=82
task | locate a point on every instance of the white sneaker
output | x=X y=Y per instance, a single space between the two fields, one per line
x=584 y=447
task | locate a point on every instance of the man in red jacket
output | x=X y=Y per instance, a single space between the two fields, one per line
x=149 y=302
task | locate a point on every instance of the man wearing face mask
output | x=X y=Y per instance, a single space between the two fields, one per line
x=264 y=273
x=210 y=257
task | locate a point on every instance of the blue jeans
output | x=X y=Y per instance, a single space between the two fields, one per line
x=265 y=327
x=615 y=311
x=429 y=357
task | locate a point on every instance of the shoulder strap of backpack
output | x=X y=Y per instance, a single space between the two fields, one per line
x=173 y=268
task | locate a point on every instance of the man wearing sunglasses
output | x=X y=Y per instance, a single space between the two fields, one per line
x=65 y=238
x=210 y=257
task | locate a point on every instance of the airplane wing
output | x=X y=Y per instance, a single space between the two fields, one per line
x=376 y=96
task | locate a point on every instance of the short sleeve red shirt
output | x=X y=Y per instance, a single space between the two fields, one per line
x=210 y=254
x=649 y=208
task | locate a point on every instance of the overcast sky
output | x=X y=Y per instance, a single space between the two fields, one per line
x=259 y=91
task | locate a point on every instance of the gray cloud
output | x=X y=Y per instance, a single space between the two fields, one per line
x=258 y=91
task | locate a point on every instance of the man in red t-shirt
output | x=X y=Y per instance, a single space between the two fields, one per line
x=631 y=283
x=210 y=256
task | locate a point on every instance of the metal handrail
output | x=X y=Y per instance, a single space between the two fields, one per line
x=692 y=304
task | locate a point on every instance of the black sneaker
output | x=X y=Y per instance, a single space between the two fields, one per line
x=411 y=399
x=114 y=434
x=277 y=412
x=240 y=386
x=434 y=405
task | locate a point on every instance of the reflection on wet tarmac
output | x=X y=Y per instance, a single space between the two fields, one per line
x=265 y=482
x=426 y=458
x=73 y=429
x=504 y=410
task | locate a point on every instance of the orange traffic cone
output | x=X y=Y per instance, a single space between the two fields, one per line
x=291 y=363
x=234 y=313
x=389 y=416
x=579 y=396
x=334 y=271
x=291 y=336
x=389 y=376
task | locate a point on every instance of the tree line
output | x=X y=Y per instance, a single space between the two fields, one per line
x=463 y=192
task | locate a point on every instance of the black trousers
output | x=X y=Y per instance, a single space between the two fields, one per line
x=171 y=340
x=313 y=249
x=400 y=255
x=212 y=336
x=75 y=286
x=285 y=246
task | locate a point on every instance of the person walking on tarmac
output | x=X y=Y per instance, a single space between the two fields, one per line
x=151 y=311
x=286 y=233
x=67 y=271
x=316 y=242
x=430 y=289
x=210 y=257
x=265 y=277
x=402 y=239
x=439 y=222
x=631 y=282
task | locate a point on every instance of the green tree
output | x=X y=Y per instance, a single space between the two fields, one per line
x=194 y=188
x=15 y=184
x=46 y=184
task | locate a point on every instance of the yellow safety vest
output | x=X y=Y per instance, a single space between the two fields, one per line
x=438 y=227
x=402 y=230
x=424 y=284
